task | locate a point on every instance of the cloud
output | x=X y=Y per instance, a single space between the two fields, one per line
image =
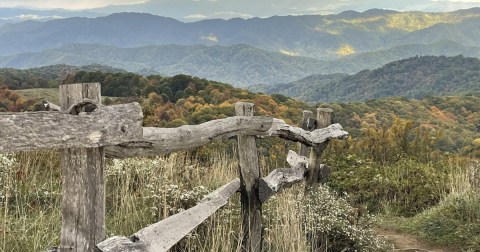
x=24 y=17
x=196 y=16
x=458 y=1
x=211 y=38
x=69 y=5
x=219 y=15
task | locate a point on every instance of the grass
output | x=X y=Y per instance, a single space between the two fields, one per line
x=455 y=221
x=49 y=94
x=143 y=191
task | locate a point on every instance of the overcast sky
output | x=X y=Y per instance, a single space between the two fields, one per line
x=199 y=9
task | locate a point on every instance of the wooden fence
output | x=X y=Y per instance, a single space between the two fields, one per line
x=86 y=132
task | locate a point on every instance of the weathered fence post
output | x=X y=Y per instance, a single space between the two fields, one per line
x=83 y=204
x=308 y=123
x=316 y=172
x=249 y=186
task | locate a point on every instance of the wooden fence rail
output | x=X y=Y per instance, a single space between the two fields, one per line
x=87 y=131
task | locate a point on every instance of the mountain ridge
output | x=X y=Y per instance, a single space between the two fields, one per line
x=240 y=65
x=308 y=35
x=415 y=77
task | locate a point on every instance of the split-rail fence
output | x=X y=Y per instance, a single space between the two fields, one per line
x=86 y=132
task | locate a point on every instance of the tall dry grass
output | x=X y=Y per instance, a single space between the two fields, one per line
x=142 y=191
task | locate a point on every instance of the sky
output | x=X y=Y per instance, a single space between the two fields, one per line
x=201 y=9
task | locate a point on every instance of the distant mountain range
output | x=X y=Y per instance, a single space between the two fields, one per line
x=415 y=77
x=323 y=37
x=16 y=15
x=239 y=65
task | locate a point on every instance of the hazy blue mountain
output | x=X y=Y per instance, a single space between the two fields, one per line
x=240 y=65
x=370 y=60
x=15 y=15
x=189 y=10
x=415 y=77
x=305 y=89
x=323 y=37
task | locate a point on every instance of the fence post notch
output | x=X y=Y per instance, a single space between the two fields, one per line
x=308 y=123
x=249 y=186
x=83 y=202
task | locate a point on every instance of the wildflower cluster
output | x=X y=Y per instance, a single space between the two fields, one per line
x=170 y=199
x=156 y=181
x=6 y=164
x=334 y=225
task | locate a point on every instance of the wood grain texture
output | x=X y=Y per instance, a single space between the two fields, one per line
x=83 y=197
x=314 y=138
x=162 y=235
x=308 y=124
x=318 y=173
x=249 y=186
x=282 y=178
x=105 y=126
x=158 y=141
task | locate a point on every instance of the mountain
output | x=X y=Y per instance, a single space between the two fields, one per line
x=303 y=89
x=414 y=77
x=16 y=15
x=240 y=65
x=323 y=37
x=375 y=59
x=47 y=76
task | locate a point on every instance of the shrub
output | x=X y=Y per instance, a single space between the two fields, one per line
x=455 y=221
x=406 y=187
x=332 y=224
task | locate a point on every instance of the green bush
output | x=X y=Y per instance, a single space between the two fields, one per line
x=405 y=188
x=332 y=224
x=455 y=221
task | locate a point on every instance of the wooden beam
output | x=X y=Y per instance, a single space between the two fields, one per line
x=162 y=235
x=83 y=197
x=314 y=138
x=249 y=186
x=318 y=173
x=104 y=126
x=282 y=178
x=158 y=141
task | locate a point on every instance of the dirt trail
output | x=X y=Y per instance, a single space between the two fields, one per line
x=409 y=243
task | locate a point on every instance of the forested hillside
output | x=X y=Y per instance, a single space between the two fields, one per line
x=182 y=99
x=451 y=123
x=47 y=76
x=415 y=77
